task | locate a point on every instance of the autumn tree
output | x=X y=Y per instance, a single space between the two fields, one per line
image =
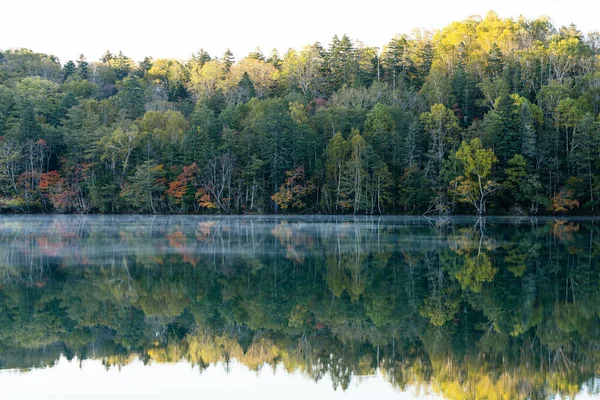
x=293 y=191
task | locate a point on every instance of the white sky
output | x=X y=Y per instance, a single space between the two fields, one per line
x=177 y=28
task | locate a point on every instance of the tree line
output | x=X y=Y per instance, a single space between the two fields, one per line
x=487 y=115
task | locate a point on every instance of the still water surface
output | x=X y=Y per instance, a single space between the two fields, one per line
x=265 y=307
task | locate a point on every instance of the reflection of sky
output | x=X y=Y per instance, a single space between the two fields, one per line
x=180 y=381
x=67 y=380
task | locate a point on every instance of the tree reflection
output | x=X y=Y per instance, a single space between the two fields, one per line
x=468 y=308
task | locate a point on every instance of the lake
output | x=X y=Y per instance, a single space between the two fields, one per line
x=323 y=307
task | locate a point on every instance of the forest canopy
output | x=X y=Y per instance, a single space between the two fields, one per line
x=487 y=115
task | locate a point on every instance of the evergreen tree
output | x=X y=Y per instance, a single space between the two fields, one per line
x=69 y=69
x=201 y=57
x=340 y=62
x=28 y=126
x=107 y=57
x=82 y=67
x=503 y=125
x=247 y=86
x=227 y=60
x=395 y=61
x=256 y=55
x=145 y=65
x=274 y=59
x=131 y=98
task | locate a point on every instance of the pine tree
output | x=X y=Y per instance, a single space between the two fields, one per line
x=82 y=67
x=68 y=69
x=107 y=57
x=394 y=60
x=340 y=62
x=131 y=98
x=465 y=93
x=201 y=57
x=145 y=65
x=528 y=132
x=122 y=65
x=256 y=54
x=495 y=62
x=247 y=86
x=503 y=125
x=274 y=59
x=227 y=60
x=29 y=127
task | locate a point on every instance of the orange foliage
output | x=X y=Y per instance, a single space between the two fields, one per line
x=292 y=192
x=47 y=248
x=49 y=179
x=55 y=188
x=563 y=202
x=177 y=239
x=179 y=187
x=564 y=230
x=205 y=228
x=204 y=200
x=63 y=192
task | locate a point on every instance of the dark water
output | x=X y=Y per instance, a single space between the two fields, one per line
x=457 y=308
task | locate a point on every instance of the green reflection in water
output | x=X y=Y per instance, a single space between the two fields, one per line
x=491 y=308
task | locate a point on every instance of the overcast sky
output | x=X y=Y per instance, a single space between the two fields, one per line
x=177 y=28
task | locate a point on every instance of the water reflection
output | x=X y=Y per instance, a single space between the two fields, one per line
x=464 y=307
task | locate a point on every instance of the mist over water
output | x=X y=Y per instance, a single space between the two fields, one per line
x=453 y=307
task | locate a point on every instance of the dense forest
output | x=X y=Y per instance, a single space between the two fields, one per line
x=486 y=116
x=502 y=311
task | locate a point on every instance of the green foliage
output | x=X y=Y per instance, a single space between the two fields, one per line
x=131 y=98
x=476 y=271
x=524 y=88
x=145 y=187
x=474 y=186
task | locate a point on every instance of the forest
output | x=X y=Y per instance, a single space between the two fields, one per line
x=488 y=115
